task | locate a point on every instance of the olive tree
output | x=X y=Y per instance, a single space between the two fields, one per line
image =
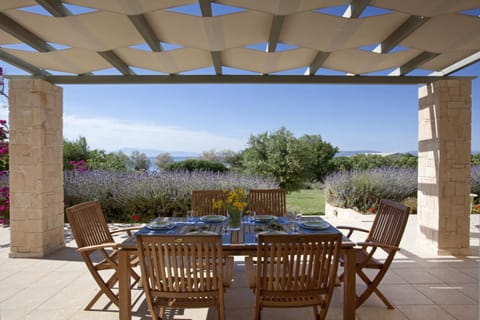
x=279 y=155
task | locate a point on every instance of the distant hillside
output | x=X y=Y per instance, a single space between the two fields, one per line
x=353 y=152
x=155 y=152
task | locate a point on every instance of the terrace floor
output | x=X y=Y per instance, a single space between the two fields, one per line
x=421 y=285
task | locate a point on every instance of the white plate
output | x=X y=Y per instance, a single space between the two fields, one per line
x=314 y=225
x=264 y=218
x=201 y=233
x=272 y=232
x=213 y=218
x=161 y=225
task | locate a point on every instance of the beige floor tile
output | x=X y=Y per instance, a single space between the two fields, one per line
x=417 y=276
x=463 y=312
x=404 y=294
x=451 y=275
x=444 y=294
x=473 y=272
x=368 y=313
x=417 y=312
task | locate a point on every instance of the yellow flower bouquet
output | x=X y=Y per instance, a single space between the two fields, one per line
x=234 y=203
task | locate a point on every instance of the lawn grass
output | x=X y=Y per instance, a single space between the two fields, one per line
x=307 y=201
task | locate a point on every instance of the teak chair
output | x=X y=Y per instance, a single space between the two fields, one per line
x=270 y=201
x=294 y=271
x=93 y=237
x=385 y=234
x=184 y=271
x=202 y=202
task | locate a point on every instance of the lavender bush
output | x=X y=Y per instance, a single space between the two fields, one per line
x=149 y=194
x=362 y=189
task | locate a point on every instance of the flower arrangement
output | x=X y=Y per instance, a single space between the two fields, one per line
x=4 y=187
x=235 y=199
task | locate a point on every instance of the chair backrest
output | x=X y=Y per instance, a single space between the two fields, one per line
x=297 y=264
x=181 y=266
x=389 y=223
x=269 y=201
x=202 y=202
x=88 y=224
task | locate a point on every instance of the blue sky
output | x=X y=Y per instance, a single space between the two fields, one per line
x=195 y=118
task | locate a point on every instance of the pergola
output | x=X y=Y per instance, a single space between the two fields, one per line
x=238 y=41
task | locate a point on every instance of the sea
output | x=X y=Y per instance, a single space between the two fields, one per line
x=153 y=166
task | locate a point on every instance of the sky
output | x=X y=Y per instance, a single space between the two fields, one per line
x=196 y=118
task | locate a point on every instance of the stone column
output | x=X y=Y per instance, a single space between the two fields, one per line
x=444 y=166
x=36 y=167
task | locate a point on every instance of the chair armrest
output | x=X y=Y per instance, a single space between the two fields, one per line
x=352 y=229
x=386 y=247
x=127 y=230
x=106 y=245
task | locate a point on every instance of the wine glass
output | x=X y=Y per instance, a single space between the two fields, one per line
x=292 y=218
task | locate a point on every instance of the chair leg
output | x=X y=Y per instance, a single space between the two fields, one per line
x=105 y=288
x=383 y=298
x=372 y=286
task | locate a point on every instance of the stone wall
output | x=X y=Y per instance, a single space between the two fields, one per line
x=36 y=167
x=444 y=165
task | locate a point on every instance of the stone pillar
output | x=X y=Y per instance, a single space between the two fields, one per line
x=444 y=151
x=36 y=167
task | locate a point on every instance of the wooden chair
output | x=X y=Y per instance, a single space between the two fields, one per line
x=268 y=201
x=385 y=235
x=294 y=271
x=184 y=271
x=98 y=248
x=202 y=202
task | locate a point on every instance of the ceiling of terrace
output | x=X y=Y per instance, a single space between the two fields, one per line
x=81 y=41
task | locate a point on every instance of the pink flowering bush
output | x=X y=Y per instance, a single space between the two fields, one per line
x=4 y=188
x=80 y=166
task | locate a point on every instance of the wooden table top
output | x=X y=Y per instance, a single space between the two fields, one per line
x=236 y=242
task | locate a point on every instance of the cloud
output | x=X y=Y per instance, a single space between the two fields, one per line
x=112 y=134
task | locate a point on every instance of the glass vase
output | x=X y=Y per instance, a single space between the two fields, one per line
x=234 y=218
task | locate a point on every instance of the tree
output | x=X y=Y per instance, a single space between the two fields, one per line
x=280 y=155
x=74 y=151
x=139 y=161
x=100 y=160
x=163 y=159
x=321 y=154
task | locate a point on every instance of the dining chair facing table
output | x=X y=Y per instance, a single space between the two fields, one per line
x=292 y=271
x=202 y=202
x=183 y=271
x=269 y=201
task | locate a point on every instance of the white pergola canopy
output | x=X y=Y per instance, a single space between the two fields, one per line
x=91 y=41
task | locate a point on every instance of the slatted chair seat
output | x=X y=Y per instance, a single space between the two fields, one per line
x=184 y=271
x=267 y=201
x=293 y=271
x=383 y=237
x=93 y=237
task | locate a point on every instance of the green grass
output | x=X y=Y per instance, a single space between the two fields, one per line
x=307 y=201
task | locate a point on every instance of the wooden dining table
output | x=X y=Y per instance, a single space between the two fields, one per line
x=239 y=242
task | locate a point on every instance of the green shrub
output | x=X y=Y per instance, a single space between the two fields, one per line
x=196 y=165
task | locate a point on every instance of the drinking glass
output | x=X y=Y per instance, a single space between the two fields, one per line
x=292 y=218
x=251 y=216
x=190 y=217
